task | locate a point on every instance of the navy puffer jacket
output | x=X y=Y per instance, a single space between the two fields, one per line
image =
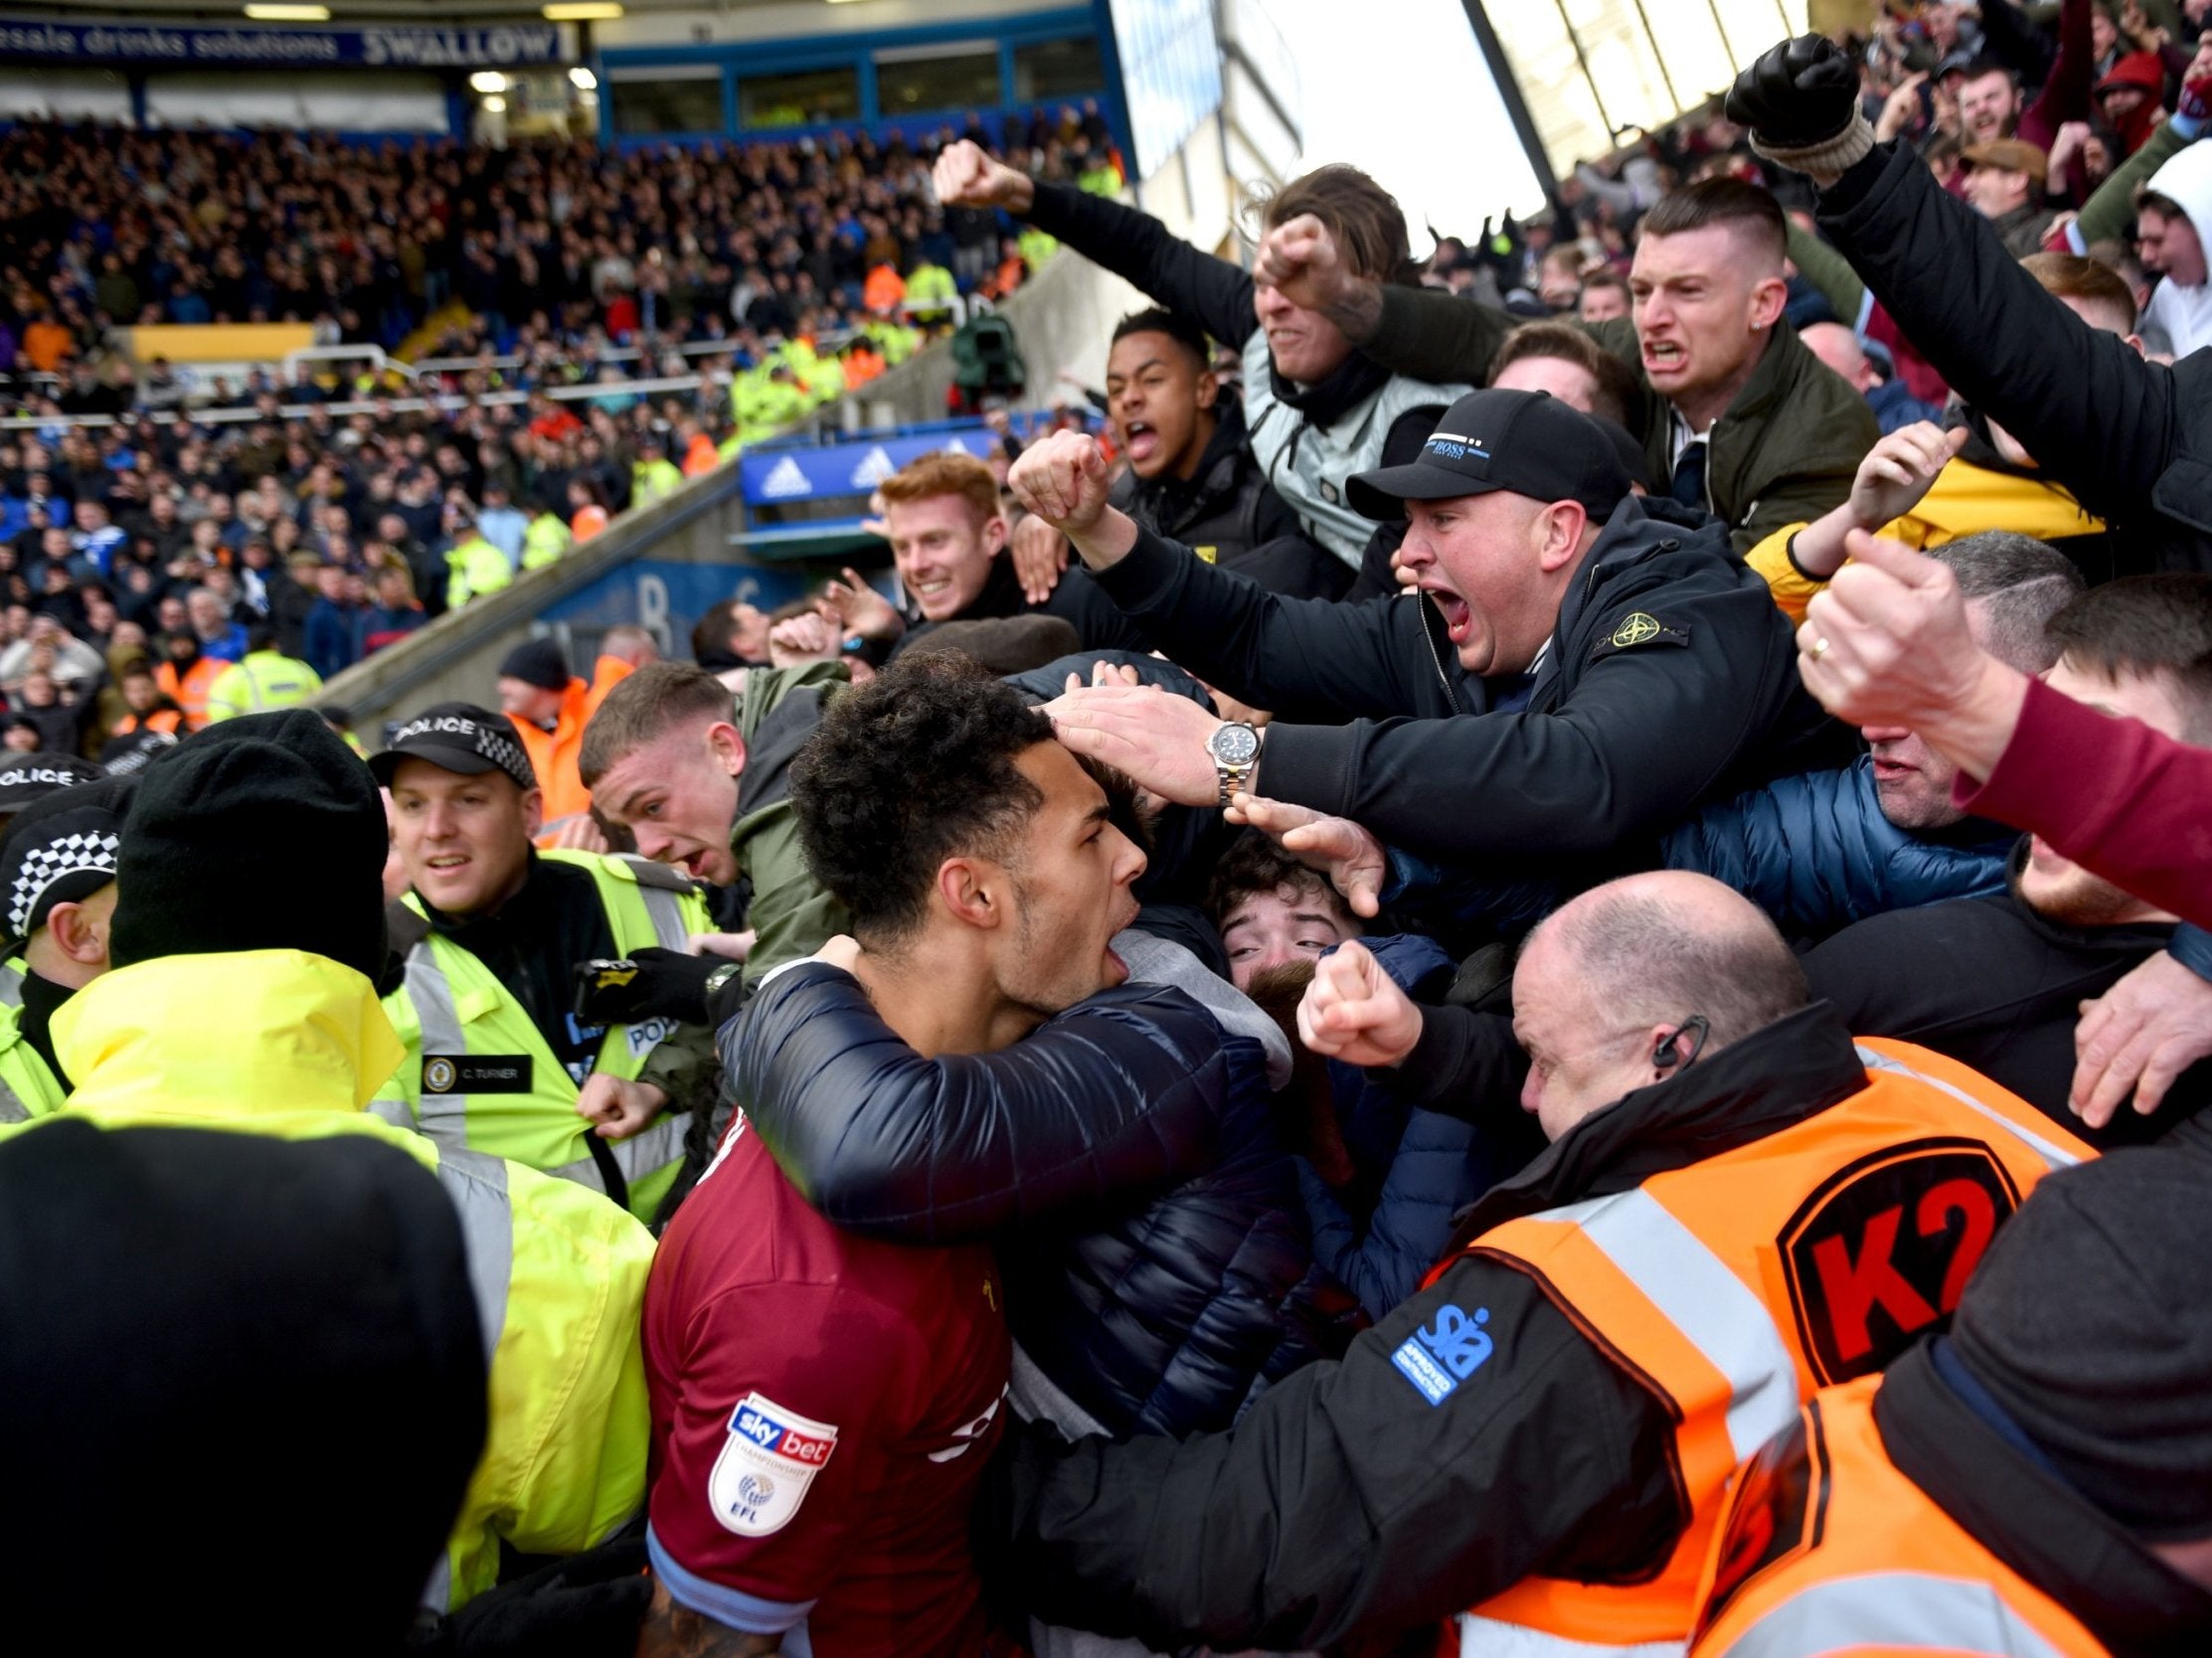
x=1414 y=1170
x=1817 y=853
x=1162 y=1274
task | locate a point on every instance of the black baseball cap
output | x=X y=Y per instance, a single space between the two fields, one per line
x=127 y=756
x=460 y=737
x=1523 y=443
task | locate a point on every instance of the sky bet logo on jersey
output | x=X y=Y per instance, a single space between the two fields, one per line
x=769 y=1459
x=1438 y=1358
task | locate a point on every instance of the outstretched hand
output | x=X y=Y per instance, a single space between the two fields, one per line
x=2137 y=1037
x=1350 y=856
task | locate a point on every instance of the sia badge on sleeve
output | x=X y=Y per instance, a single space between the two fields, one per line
x=769 y=1459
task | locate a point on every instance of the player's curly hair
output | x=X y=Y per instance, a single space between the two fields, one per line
x=906 y=771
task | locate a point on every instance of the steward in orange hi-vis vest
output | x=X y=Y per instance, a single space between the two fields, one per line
x=2004 y=1491
x=1544 y=1433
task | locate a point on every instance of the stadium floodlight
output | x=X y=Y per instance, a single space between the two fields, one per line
x=582 y=79
x=487 y=81
x=582 y=11
x=288 y=14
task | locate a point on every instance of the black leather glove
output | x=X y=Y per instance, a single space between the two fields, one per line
x=588 y=1605
x=652 y=984
x=1800 y=100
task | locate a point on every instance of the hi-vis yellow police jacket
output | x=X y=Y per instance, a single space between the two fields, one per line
x=479 y=1075
x=292 y=1045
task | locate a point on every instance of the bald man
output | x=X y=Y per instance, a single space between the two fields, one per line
x=1735 y=1197
x=1844 y=352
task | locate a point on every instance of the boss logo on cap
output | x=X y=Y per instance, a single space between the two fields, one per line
x=1452 y=445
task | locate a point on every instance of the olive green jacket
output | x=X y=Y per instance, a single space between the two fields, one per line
x=1784 y=452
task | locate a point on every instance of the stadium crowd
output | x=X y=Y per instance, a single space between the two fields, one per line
x=1522 y=971
x=345 y=507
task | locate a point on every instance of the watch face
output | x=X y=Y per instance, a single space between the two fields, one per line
x=1235 y=744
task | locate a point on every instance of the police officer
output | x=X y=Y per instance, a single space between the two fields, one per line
x=1737 y=1198
x=23 y=779
x=233 y=1003
x=2039 y=1480
x=496 y=1057
x=263 y=681
x=58 y=882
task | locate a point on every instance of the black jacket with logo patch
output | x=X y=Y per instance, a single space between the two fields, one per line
x=1346 y=1506
x=1672 y=680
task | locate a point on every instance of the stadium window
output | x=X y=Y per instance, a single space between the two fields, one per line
x=1057 y=69
x=665 y=97
x=942 y=77
x=803 y=98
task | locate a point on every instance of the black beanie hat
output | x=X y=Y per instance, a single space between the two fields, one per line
x=261 y=833
x=193 y=1314
x=539 y=662
x=2090 y=1321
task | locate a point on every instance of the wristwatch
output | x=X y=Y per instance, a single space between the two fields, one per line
x=1235 y=748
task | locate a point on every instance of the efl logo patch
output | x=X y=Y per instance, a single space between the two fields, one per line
x=1437 y=1360
x=769 y=1459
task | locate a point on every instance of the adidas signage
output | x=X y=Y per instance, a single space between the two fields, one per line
x=785 y=479
x=874 y=467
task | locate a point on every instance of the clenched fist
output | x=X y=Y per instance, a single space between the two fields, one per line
x=1063 y=480
x=965 y=176
x=1300 y=261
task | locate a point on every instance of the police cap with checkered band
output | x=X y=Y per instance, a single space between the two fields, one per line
x=459 y=737
x=60 y=849
x=1518 y=443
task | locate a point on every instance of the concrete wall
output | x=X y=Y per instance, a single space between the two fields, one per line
x=457 y=657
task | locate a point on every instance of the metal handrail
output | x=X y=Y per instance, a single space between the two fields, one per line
x=440 y=400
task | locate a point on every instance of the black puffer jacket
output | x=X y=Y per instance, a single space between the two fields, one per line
x=1671 y=681
x=2132 y=440
x=1163 y=1271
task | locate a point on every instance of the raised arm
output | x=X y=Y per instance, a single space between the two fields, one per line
x=2102 y=420
x=1214 y=293
x=1120 y=1095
